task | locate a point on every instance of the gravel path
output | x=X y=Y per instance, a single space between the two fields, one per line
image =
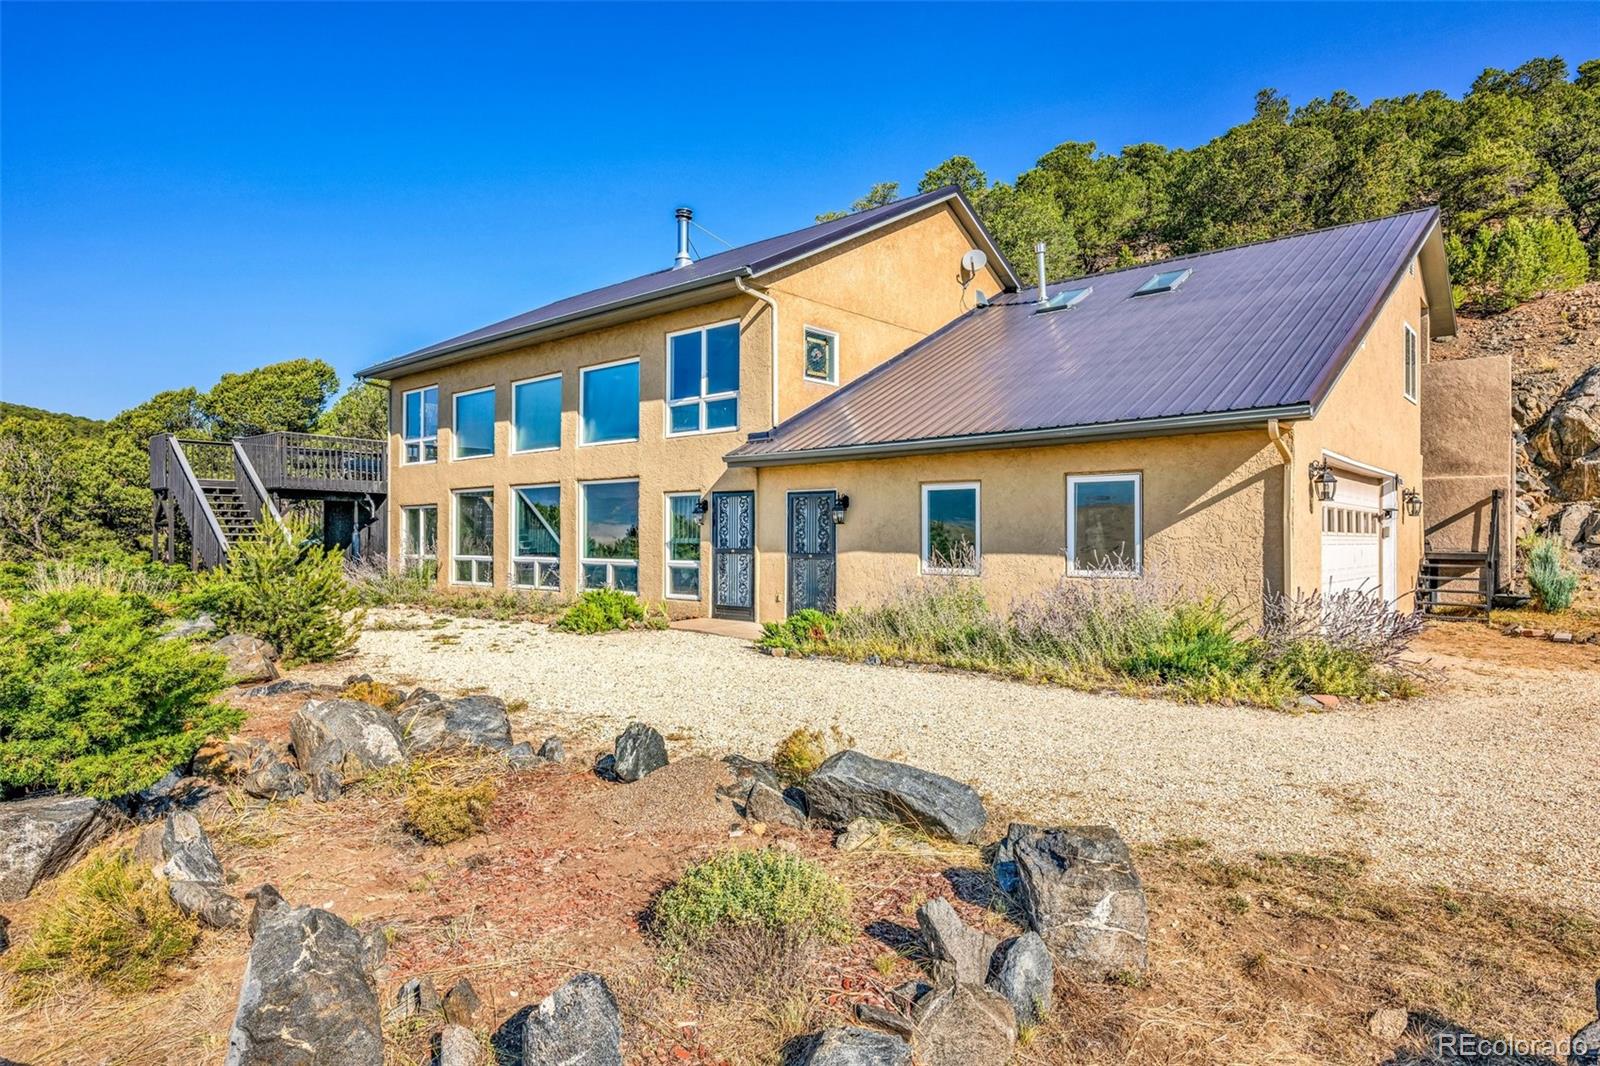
x=1489 y=784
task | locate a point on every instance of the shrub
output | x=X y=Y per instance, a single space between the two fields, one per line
x=798 y=755
x=111 y=922
x=378 y=586
x=1198 y=640
x=1552 y=583
x=803 y=631
x=92 y=701
x=605 y=610
x=1350 y=622
x=442 y=813
x=753 y=889
x=284 y=590
x=374 y=692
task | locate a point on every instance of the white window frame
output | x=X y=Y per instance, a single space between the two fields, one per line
x=410 y=559
x=539 y=561
x=455 y=525
x=703 y=398
x=583 y=373
x=977 y=540
x=1138 y=523
x=1410 y=362
x=516 y=408
x=421 y=440
x=455 y=427
x=833 y=356
x=583 y=535
x=669 y=563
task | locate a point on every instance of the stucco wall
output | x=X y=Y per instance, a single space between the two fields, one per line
x=1467 y=453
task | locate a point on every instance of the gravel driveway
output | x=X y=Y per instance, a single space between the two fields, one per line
x=1491 y=783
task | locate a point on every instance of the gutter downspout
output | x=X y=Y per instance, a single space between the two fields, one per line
x=767 y=299
x=1285 y=444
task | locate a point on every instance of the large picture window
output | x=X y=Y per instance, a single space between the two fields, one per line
x=950 y=529
x=536 y=414
x=703 y=379
x=419 y=540
x=536 y=551
x=1105 y=531
x=608 y=402
x=1410 y=357
x=473 y=425
x=611 y=535
x=419 y=427
x=683 y=546
x=473 y=554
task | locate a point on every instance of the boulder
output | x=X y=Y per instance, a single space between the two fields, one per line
x=552 y=750
x=416 y=996
x=444 y=725
x=282 y=687
x=1080 y=892
x=639 y=750
x=853 y=1047
x=1388 y=1024
x=1585 y=1044
x=1025 y=974
x=461 y=1003
x=179 y=853
x=961 y=953
x=227 y=760
x=884 y=1018
x=42 y=836
x=964 y=1025
x=262 y=899
x=189 y=628
x=851 y=785
x=309 y=997
x=576 y=1025
x=858 y=834
x=1004 y=861
x=763 y=803
x=272 y=777
x=521 y=756
x=459 y=1047
x=249 y=658
x=338 y=742
x=746 y=772
x=1576 y=524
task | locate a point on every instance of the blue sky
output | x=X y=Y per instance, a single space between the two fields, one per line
x=192 y=189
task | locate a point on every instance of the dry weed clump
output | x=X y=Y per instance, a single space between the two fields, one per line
x=376 y=693
x=444 y=813
x=798 y=755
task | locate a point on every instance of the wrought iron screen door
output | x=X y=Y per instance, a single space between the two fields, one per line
x=733 y=555
x=812 y=562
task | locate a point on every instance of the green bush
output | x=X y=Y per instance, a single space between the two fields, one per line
x=767 y=889
x=1198 y=640
x=803 y=631
x=799 y=754
x=605 y=610
x=91 y=701
x=1500 y=267
x=1552 y=583
x=286 y=591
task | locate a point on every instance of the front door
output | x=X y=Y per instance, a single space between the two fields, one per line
x=811 y=551
x=733 y=555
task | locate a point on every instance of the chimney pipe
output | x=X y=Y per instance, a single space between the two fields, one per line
x=1038 y=252
x=682 y=259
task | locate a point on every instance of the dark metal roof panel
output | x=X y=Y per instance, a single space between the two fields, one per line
x=1256 y=327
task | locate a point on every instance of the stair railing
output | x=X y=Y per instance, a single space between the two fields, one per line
x=1491 y=569
x=254 y=495
x=210 y=546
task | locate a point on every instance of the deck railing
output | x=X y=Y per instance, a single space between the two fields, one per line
x=315 y=463
x=169 y=465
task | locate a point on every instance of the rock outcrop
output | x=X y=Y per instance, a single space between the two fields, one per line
x=576 y=1025
x=338 y=742
x=42 y=836
x=1080 y=892
x=851 y=785
x=249 y=658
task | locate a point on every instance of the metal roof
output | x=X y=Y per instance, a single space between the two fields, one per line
x=1255 y=332
x=746 y=261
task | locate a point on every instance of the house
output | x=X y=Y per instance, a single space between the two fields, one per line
x=815 y=419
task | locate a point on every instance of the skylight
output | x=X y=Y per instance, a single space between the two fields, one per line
x=1165 y=281
x=1066 y=298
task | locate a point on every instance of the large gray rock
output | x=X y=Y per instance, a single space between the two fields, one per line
x=338 y=742
x=200 y=625
x=1585 y=1048
x=42 y=836
x=1080 y=892
x=1566 y=441
x=763 y=803
x=964 y=1025
x=854 y=1047
x=576 y=1025
x=1025 y=974
x=459 y=1047
x=640 y=750
x=961 y=953
x=271 y=777
x=180 y=853
x=442 y=725
x=249 y=658
x=851 y=785
x=309 y=997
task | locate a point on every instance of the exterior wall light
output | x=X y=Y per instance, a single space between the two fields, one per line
x=1413 y=500
x=702 y=508
x=841 y=504
x=1323 y=481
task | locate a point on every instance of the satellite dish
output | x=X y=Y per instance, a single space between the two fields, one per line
x=974 y=261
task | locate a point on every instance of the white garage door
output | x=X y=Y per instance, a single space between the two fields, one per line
x=1352 y=536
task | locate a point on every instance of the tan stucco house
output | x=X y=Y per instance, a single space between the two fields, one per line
x=818 y=418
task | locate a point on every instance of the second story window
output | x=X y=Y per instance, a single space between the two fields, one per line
x=608 y=402
x=536 y=414
x=703 y=379
x=419 y=430
x=473 y=426
x=1411 y=361
x=822 y=356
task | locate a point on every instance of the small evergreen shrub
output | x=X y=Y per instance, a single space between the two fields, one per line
x=1552 y=583
x=765 y=889
x=442 y=813
x=798 y=755
x=111 y=923
x=607 y=610
x=91 y=701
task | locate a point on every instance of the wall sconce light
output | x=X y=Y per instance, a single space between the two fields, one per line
x=841 y=504
x=702 y=508
x=1413 y=500
x=1322 y=480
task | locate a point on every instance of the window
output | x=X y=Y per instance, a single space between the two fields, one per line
x=419 y=540
x=1411 y=364
x=611 y=535
x=473 y=557
x=536 y=414
x=536 y=525
x=1104 y=527
x=473 y=425
x=950 y=538
x=1067 y=298
x=419 y=431
x=703 y=379
x=1165 y=281
x=608 y=402
x=822 y=355
x=683 y=546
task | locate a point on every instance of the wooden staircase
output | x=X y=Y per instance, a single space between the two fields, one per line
x=233 y=516
x=1462 y=584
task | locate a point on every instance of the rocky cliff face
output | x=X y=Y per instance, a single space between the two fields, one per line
x=1554 y=345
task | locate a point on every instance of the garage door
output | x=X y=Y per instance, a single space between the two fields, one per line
x=1352 y=536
